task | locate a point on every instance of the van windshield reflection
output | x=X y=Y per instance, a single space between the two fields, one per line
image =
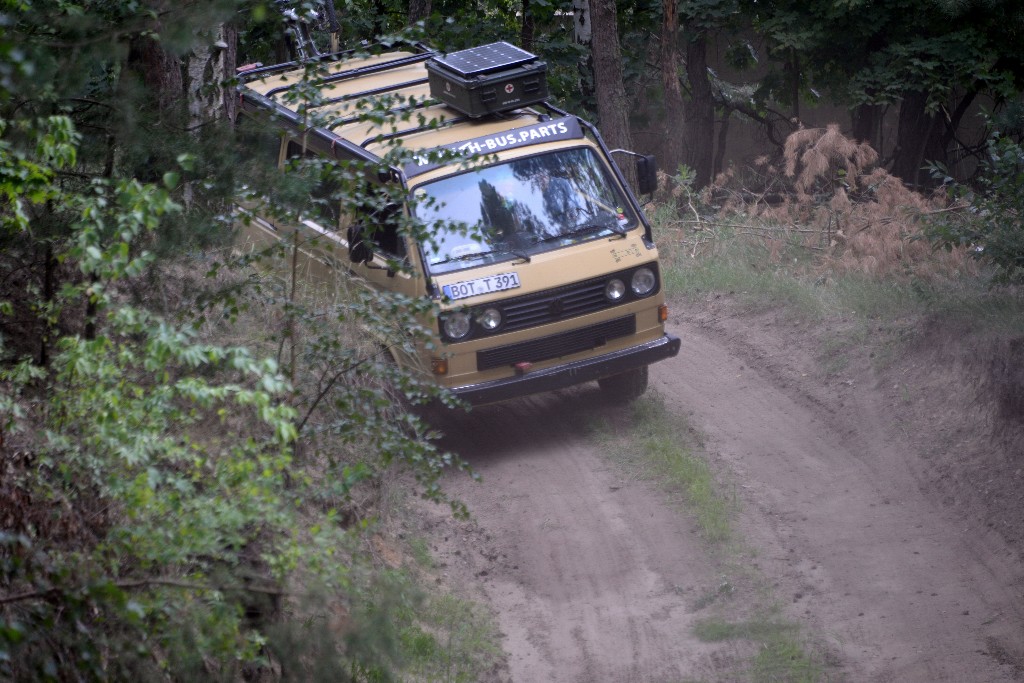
x=520 y=208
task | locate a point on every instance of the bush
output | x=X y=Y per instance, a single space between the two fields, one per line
x=827 y=206
x=991 y=226
x=174 y=507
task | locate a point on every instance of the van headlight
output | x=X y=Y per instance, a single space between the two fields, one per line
x=489 y=319
x=456 y=325
x=614 y=290
x=643 y=281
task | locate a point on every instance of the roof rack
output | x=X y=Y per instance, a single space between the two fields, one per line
x=414 y=130
x=336 y=143
x=370 y=92
x=359 y=71
x=263 y=71
x=423 y=104
x=507 y=65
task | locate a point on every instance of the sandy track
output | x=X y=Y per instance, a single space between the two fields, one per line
x=593 y=577
x=595 y=571
x=832 y=500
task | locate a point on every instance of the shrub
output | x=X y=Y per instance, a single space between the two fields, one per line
x=827 y=204
x=992 y=227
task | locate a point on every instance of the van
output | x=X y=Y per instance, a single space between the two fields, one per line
x=543 y=270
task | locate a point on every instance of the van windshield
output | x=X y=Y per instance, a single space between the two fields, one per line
x=520 y=208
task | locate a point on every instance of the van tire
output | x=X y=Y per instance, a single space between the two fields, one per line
x=627 y=386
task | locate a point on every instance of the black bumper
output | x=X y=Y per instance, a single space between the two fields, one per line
x=561 y=376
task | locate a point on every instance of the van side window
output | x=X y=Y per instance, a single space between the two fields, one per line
x=325 y=206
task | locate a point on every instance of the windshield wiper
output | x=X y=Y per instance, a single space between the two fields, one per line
x=463 y=257
x=478 y=254
x=587 y=228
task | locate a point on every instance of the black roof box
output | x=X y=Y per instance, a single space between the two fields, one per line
x=488 y=79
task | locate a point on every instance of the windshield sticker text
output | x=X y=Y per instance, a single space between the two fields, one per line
x=565 y=128
x=515 y=138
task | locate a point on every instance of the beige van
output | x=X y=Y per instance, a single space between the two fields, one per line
x=544 y=271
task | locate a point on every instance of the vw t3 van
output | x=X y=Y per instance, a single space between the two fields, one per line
x=541 y=263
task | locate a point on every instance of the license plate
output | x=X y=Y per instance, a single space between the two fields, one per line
x=483 y=285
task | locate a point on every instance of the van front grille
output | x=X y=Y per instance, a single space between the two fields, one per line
x=576 y=299
x=557 y=345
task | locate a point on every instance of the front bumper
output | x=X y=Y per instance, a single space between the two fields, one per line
x=577 y=372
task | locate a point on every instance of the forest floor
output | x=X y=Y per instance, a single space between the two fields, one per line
x=875 y=517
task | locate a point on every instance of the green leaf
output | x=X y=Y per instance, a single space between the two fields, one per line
x=187 y=161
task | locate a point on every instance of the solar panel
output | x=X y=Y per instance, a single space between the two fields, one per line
x=485 y=59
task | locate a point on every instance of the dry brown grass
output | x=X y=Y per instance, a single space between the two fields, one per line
x=826 y=196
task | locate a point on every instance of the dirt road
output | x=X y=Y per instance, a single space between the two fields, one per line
x=595 y=577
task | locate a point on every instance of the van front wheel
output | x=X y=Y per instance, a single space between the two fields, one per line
x=628 y=386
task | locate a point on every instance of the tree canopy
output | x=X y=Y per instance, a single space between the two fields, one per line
x=931 y=58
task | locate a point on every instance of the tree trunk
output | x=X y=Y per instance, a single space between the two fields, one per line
x=791 y=72
x=918 y=140
x=675 y=116
x=208 y=69
x=723 y=136
x=159 y=71
x=584 y=36
x=699 y=128
x=867 y=124
x=951 y=142
x=527 y=30
x=612 y=106
x=419 y=10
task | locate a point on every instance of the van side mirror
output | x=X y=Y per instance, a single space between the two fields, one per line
x=360 y=250
x=646 y=174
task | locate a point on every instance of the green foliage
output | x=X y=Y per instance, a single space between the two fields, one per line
x=177 y=507
x=993 y=226
x=112 y=460
x=935 y=64
x=25 y=180
x=939 y=55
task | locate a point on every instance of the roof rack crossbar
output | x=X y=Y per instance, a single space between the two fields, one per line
x=368 y=93
x=358 y=71
x=327 y=57
x=417 y=129
x=394 y=110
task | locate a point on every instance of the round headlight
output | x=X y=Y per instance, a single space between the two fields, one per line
x=456 y=325
x=615 y=289
x=643 y=281
x=490 y=319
